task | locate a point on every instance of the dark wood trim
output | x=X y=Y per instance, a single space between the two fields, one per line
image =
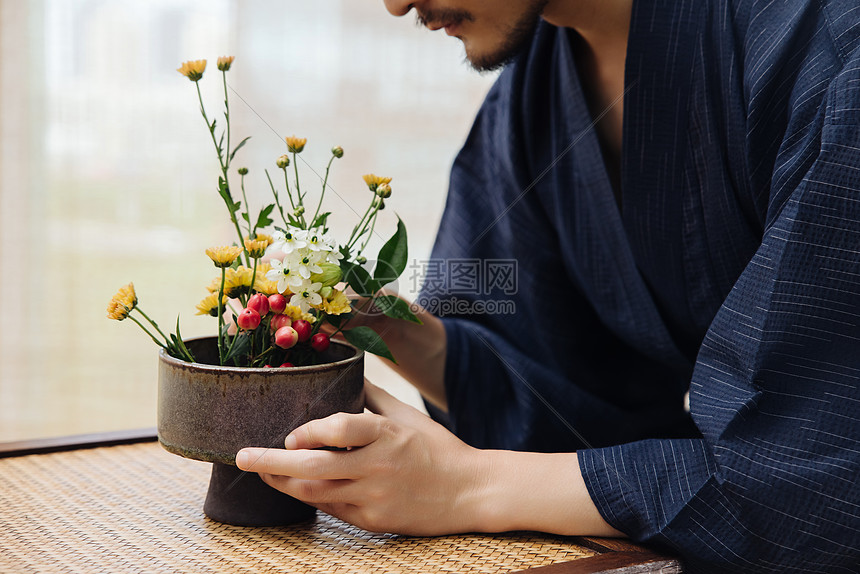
x=603 y=545
x=73 y=442
x=614 y=562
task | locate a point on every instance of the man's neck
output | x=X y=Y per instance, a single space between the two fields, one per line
x=603 y=26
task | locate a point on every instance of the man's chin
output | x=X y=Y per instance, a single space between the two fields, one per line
x=492 y=61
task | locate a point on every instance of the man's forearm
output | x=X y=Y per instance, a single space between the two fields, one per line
x=420 y=352
x=535 y=491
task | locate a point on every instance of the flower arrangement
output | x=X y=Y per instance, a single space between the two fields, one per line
x=283 y=287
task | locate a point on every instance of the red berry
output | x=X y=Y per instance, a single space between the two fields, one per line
x=248 y=319
x=304 y=329
x=259 y=303
x=279 y=321
x=277 y=303
x=287 y=364
x=286 y=337
x=267 y=366
x=319 y=342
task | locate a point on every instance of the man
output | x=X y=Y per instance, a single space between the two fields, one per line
x=679 y=182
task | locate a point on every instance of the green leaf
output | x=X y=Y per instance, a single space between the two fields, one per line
x=392 y=257
x=321 y=219
x=246 y=218
x=368 y=340
x=358 y=278
x=238 y=147
x=181 y=344
x=224 y=191
x=338 y=320
x=240 y=347
x=263 y=220
x=395 y=307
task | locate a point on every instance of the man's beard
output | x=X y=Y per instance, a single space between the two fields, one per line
x=515 y=39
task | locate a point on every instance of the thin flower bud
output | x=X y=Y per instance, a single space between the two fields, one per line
x=224 y=62
x=384 y=190
x=378 y=203
x=374 y=181
x=300 y=210
x=330 y=276
x=283 y=162
x=337 y=152
x=243 y=171
x=361 y=260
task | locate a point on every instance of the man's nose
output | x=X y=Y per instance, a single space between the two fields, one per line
x=399 y=7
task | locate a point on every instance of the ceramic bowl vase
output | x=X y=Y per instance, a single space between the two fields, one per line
x=208 y=412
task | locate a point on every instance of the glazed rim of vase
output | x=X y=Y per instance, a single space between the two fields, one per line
x=303 y=369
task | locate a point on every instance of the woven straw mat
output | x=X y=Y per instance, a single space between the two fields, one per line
x=137 y=508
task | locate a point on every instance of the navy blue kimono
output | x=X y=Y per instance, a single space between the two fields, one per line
x=731 y=267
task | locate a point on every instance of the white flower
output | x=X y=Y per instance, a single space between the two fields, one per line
x=307 y=297
x=308 y=263
x=334 y=256
x=288 y=242
x=285 y=274
x=316 y=241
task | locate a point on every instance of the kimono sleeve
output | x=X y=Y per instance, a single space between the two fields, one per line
x=772 y=486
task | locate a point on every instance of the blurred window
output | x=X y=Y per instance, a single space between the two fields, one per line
x=108 y=175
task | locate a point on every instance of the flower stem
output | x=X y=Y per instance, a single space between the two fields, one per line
x=353 y=237
x=211 y=128
x=277 y=200
x=153 y=323
x=289 y=192
x=322 y=195
x=145 y=330
x=298 y=190
x=262 y=355
x=247 y=209
x=223 y=169
x=369 y=235
x=227 y=119
x=221 y=318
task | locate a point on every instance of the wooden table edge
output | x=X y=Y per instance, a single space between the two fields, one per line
x=75 y=442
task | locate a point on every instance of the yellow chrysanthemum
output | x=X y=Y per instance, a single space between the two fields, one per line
x=236 y=282
x=192 y=69
x=295 y=313
x=257 y=247
x=209 y=305
x=122 y=303
x=336 y=303
x=296 y=145
x=224 y=62
x=223 y=256
x=262 y=284
x=374 y=181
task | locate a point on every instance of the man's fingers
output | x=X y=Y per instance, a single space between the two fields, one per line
x=304 y=464
x=341 y=430
x=317 y=492
x=381 y=402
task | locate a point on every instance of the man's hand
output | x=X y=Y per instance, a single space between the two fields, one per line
x=419 y=349
x=402 y=472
